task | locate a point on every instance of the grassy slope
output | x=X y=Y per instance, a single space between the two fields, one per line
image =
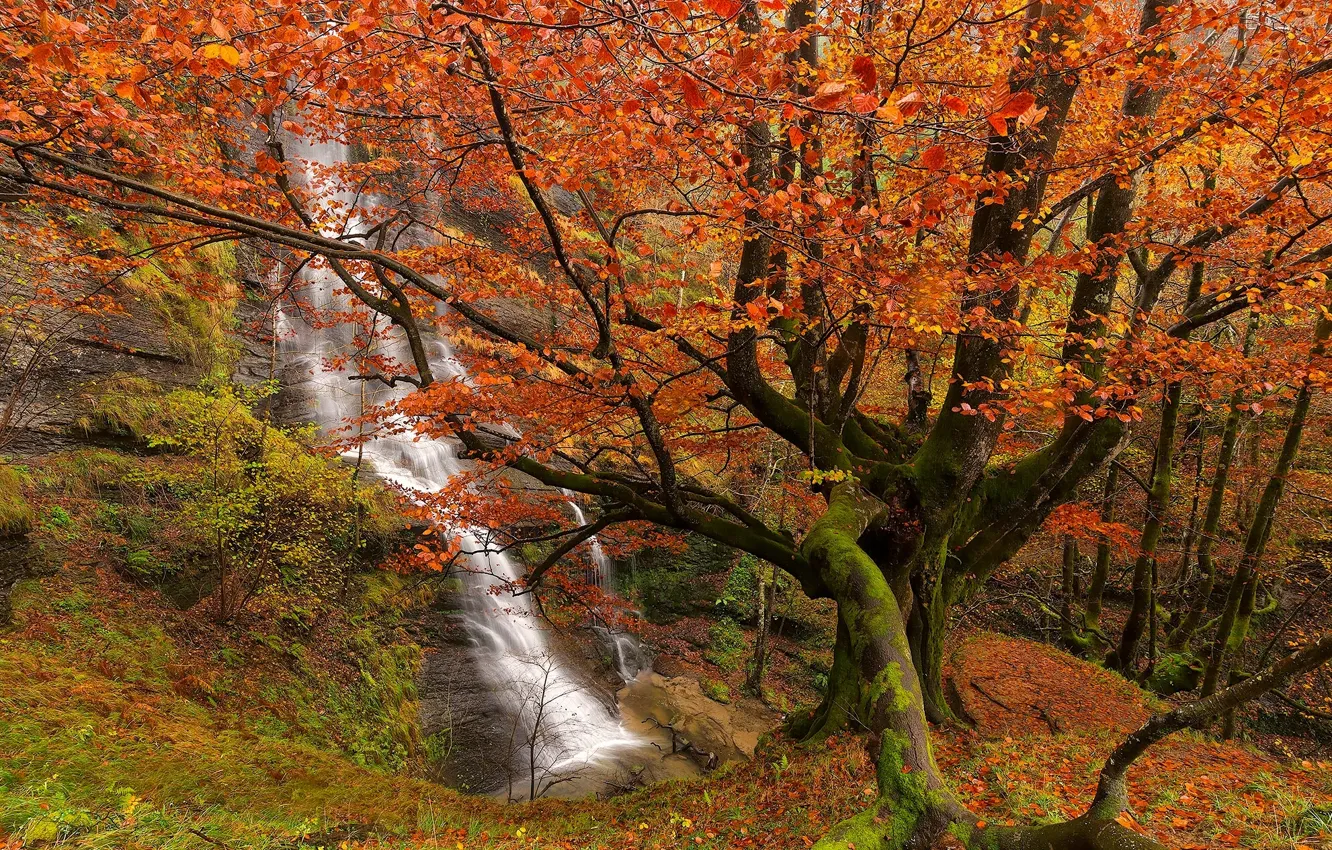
x=129 y=724
x=108 y=744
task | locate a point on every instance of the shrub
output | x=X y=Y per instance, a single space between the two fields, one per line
x=254 y=501
x=737 y=596
x=726 y=644
x=667 y=584
x=715 y=690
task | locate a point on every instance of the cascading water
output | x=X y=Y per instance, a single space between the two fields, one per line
x=560 y=734
x=627 y=653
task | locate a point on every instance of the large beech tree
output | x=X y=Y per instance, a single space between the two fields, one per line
x=938 y=250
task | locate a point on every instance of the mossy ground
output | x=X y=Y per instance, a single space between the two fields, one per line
x=131 y=724
x=15 y=512
x=128 y=726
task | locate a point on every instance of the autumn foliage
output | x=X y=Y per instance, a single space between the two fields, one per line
x=873 y=292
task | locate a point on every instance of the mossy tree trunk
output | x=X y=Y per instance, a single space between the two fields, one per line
x=1229 y=633
x=1158 y=502
x=1096 y=640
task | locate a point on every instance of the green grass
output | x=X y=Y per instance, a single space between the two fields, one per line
x=116 y=737
x=727 y=644
x=121 y=406
x=16 y=516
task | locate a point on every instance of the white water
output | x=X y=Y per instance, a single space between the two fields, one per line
x=577 y=735
x=627 y=652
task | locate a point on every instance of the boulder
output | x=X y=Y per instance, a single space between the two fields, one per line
x=730 y=732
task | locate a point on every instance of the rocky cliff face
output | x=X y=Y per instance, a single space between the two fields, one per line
x=69 y=330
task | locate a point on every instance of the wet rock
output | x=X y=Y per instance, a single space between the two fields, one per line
x=730 y=732
x=18 y=560
x=458 y=709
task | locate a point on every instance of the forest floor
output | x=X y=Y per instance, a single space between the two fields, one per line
x=126 y=727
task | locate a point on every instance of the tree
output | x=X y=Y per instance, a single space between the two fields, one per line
x=537 y=741
x=742 y=222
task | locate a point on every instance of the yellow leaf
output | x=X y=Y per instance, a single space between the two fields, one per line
x=229 y=54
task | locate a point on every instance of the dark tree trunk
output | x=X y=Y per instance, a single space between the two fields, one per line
x=1216 y=498
x=1104 y=557
x=1158 y=501
x=1261 y=527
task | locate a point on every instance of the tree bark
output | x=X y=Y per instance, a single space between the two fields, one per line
x=1104 y=555
x=1158 y=501
x=1068 y=594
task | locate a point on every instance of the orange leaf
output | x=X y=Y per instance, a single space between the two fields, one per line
x=1017 y=104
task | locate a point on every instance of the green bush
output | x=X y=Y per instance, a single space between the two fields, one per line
x=714 y=690
x=254 y=501
x=727 y=646
x=666 y=584
x=737 y=596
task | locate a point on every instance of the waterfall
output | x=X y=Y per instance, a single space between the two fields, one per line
x=565 y=730
x=628 y=655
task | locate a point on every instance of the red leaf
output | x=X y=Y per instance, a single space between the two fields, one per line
x=829 y=95
x=933 y=157
x=796 y=135
x=865 y=72
x=693 y=98
x=910 y=104
x=863 y=103
x=955 y=103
